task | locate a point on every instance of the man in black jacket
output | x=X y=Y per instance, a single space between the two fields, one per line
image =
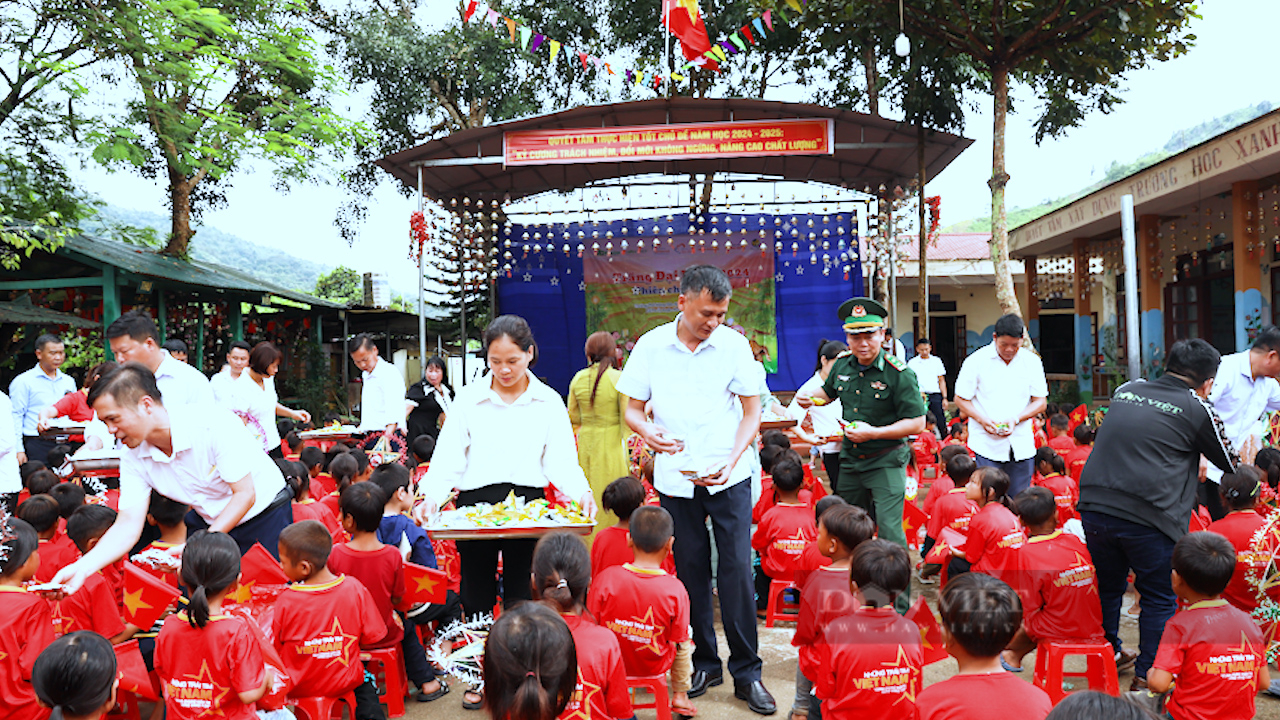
x=1138 y=488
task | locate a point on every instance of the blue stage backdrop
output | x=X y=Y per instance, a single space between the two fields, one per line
x=816 y=267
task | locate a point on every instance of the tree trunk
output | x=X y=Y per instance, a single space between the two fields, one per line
x=704 y=202
x=1005 y=295
x=180 y=211
x=873 y=80
x=922 y=276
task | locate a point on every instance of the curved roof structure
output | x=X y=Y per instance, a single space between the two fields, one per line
x=869 y=150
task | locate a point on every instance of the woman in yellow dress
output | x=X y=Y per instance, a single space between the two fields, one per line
x=597 y=411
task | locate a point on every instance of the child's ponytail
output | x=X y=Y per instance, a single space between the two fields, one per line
x=210 y=564
x=75 y=674
x=344 y=469
x=530 y=664
x=561 y=571
x=995 y=486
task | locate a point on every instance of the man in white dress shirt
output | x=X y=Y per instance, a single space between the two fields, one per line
x=382 y=404
x=199 y=456
x=35 y=390
x=134 y=338
x=10 y=445
x=1243 y=390
x=932 y=376
x=223 y=384
x=1002 y=388
x=705 y=388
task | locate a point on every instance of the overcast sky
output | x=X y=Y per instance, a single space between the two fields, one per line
x=1227 y=69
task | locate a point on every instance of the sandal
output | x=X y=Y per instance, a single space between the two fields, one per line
x=436 y=695
x=476 y=705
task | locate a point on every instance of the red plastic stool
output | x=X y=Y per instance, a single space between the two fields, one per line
x=779 y=607
x=126 y=706
x=1100 y=669
x=657 y=686
x=323 y=708
x=389 y=662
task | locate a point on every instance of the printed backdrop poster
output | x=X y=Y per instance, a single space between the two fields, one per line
x=631 y=294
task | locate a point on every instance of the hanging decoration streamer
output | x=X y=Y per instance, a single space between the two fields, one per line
x=739 y=41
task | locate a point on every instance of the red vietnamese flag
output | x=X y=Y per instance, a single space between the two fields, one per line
x=930 y=631
x=257 y=569
x=1077 y=417
x=947 y=541
x=133 y=671
x=913 y=518
x=424 y=585
x=684 y=20
x=145 y=596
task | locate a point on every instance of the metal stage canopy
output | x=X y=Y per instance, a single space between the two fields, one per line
x=868 y=150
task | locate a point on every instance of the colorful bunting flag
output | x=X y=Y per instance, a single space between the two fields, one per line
x=471 y=9
x=493 y=18
x=145 y=596
x=511 y=28
x=736 y=39
x=424 y=585
x=795 y=5
x=728 y=46
x=759 y=26
x=684 y=20
x=930 y=631
x=537 y=40
x=555 y=50
x=746 y=32
x=768 y=19
x=525 y=33
x=583 y=57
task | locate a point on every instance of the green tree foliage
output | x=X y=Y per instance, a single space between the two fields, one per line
x=217 y=83
x=342 y=284
x=1071 y=53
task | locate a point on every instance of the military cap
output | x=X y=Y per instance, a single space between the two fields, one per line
x=862 y=315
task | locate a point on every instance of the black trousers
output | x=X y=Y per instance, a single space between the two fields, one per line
x=37 y=448
x=478 y=559
x=934 y=401
x=265 y=528
x=831 y=463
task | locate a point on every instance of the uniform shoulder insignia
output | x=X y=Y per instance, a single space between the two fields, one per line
x=846 y=353
x=894 y=361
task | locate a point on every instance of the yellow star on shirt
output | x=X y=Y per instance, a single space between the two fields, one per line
x=583 y=695
x=654 y=643
x=1246 y=648
x=348 y=642
x=902 y=661
x=1081 y=562
x=215 y=695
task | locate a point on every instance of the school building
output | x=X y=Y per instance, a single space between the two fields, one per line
x=1207 y=235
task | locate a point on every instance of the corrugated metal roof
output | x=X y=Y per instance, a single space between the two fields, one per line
x=950 y=246
x=23 y=312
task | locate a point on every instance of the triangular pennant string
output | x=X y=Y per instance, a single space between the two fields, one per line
x=598 y=62
x=759 y=26
x=511 y=28
x=471 y=10
x=629 y=77
x=608 y=69
x=746 y=32
x=768 y=19
x=583 y=57
x=795 y=5
x=728 y=47
x=555 y=49
x=525 y=33
x=537 y=40
x=492 y=17
x=736 y=39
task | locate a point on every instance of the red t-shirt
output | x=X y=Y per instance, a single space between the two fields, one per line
x=75 y=406
x=26 y=628
x=976 y=697
x=323 y=485
x=649 y=612
x=1214 y=651
x=114 y=575
x=873 y=668
x=382 y=574
x=940 y=486
x=331 y=501
x=1065 y=495
x=1076 y=460
x=769 y=499
x=1238 y=527
x=318 y=631
x=55 y=554
x=1060 y=597
x=810 y=559
x=926 y=448
x=781 y=537
x=602 y=679
x=995 y=536
x=610 y=549
x=824 y=597
x=171 y=578
x=1064 y=444
x=203 y=671
x=312 y=510
x=952 y=510
x=92 y=607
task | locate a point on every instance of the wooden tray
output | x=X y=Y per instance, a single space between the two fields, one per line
x=316 y=435
x=504 y=533
x=97 y=467
x=777 y=424
x=57 y=431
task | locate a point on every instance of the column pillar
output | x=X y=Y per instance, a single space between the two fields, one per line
x=163 y=313
x=235 y=316
x=1032 y=313
x=1247 y=252
x=110 y=305
x=1151 y=295
x=199 y=349
x=1085 y=359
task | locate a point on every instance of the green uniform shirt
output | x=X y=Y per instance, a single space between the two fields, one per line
x=879 y=395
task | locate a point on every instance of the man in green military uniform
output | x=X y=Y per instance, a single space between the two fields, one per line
x=882 y=406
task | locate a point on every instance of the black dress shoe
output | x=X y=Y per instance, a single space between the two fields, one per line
x=758 y=699
x=700 y=681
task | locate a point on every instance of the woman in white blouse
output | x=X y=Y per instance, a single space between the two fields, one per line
x=826 y=418
x=506 y=433
x=255 y=401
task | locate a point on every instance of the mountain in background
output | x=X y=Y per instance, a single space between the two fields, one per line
x=212 y=245
x=1181 y=140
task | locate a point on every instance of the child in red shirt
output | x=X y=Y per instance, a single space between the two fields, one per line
x=981 y=615
x=1214 y=651
x=305 y=507
x=1239 y=492
x=1079 y=455
x=927 y=444
x=344 y=469
x=380 y=568
x=874 y=657
x=647 y=608
x=322 y=483
x=770 y=456
x=826 y=595
x=811 y=558
x=210 y=663
x=94 y=606
x=1059 y=585
x=783 y=531
x=1051 y=469
x=561 y=575
x=942 y=484
x=56 y=549
x=995 y=535
x=26 y=625
x=953 y=510
x=77 y=674
x=611 y=547
x=323 y=620
x=1059 y=437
